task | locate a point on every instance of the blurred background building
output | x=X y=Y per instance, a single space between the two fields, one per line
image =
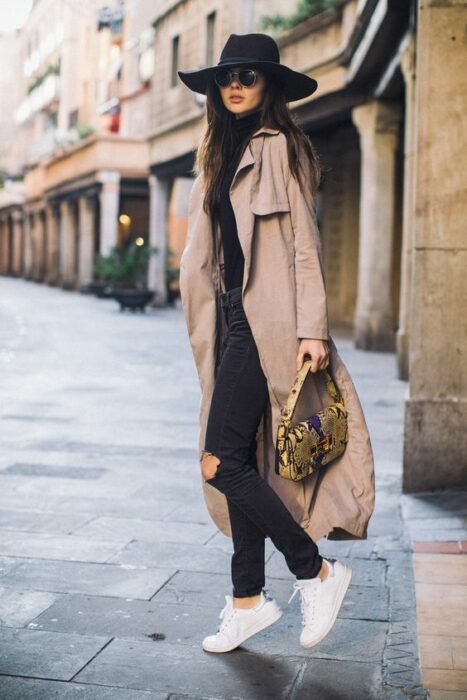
x=98 y=138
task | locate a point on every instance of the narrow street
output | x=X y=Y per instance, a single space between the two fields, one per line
x=111 y=571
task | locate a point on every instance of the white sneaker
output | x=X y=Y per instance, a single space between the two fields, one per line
x=321 y=601
x=238 y=624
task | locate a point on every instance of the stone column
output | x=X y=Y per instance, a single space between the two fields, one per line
x=9 y=244
x=4 y=244
x=17 y=242
x=159 y=189
x=435 y=435
x=28 y=246
x=378 y=126
x=403 y=338
x=67 y=246
x=35 y=246
x=52 y=232
x=40 y=247
x=86 y=240
x=109 y=209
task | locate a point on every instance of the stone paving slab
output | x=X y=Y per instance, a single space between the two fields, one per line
x=434 y=504
x=81 y=506
x=66 y=548
x=8 y=564
x=158 y=454
x=77 y=577
x=39 y=522
x=124 y=529
x=45 y=654
x=385 y=525
x=443 y=523
x=192 y=513
x=35 y=419
x=18 y=607
x=189 y=670
x=35 y=689
x=54 y=470
x=150 y=463
x=350 y=639
x=173 y=556
x=115 y=487
x=182 y=490
x=357 y=549
x=365 y=572
x=195 y=588
x=360 y=602
x=135 y=619
x=221 y=541
x=448 y=535
x=340 y=680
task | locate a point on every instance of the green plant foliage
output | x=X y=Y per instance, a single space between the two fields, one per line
x=83 y=129
x=52 y=69
x=305 y=9
x=125 y=266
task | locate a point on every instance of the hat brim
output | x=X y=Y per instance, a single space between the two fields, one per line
x=296 y=85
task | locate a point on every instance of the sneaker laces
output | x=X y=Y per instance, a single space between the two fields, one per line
x=308 y=596
x=233 y=610
x=228 y=619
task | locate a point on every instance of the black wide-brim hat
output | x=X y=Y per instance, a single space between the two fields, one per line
x=255 y=51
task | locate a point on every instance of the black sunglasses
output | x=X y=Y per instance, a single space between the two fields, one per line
x=224 y=76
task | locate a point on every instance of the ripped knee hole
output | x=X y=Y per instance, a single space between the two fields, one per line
x=209 y=465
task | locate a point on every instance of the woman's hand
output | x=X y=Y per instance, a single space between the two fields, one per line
x=318 y=350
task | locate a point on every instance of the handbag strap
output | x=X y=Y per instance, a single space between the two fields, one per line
x=289 y=408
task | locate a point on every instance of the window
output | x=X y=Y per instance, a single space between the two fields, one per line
x=73 y=118
x=174 y=78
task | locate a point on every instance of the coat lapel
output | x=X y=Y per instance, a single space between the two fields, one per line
x=249 y=156
x=242 y=193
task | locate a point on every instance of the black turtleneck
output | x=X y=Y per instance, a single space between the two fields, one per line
x=243 y=128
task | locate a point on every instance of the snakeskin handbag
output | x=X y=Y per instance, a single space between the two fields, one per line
x=305 y=447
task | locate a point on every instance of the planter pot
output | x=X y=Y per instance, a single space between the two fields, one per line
x=102 y=290
x=133 y=299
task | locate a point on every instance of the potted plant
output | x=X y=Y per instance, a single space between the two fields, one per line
x=125 y=269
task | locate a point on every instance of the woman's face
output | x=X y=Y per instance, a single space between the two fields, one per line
x=240 y=99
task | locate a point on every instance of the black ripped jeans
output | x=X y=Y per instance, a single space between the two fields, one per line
x=255 y=510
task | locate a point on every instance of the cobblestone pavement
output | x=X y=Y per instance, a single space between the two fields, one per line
x=111 y=571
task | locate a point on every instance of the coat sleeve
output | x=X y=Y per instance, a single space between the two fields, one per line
x=312 y=311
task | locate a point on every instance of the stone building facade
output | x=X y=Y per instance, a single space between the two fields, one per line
x=80 y=174
x=387 y=123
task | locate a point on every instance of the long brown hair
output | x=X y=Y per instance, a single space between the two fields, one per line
x=216 y=148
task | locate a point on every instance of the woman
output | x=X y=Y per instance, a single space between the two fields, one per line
x=257 y=174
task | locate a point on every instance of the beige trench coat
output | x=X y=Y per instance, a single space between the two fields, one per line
x=284 y=299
